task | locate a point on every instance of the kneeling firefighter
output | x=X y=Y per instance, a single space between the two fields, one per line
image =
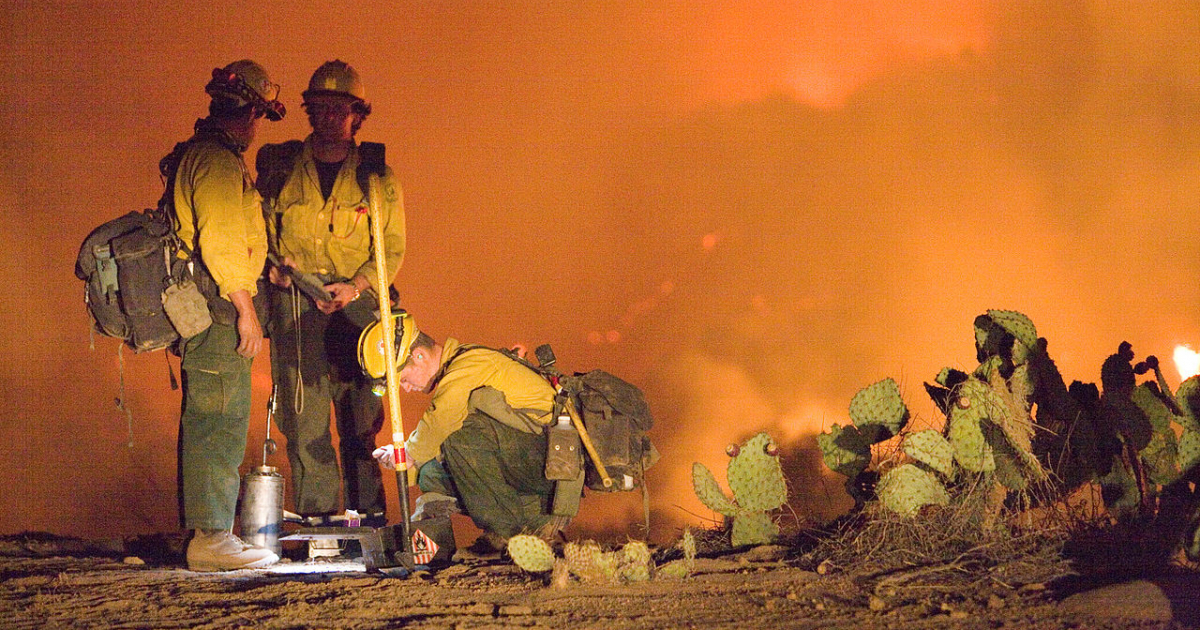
x=482 y=442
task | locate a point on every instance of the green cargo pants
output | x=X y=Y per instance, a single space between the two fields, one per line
x=496 y=472
x=328 y=365
x=212 y=427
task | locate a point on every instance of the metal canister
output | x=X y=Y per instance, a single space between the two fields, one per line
x=262 y=507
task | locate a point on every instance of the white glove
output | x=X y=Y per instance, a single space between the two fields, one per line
x=386 y=455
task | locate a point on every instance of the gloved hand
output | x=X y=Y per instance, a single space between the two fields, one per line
x=386 y=456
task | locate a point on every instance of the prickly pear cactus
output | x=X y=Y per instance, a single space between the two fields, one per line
x=679 y=569
x=845 y=450
x=1189 y=449
x=635 y=563
x=906 y=489
x=1188 y=398
x=709 y=491
x=758 y=486
x=588 y=562
x=931 y=449
x=1017 y=325
x=531 y=553
x=879 y=411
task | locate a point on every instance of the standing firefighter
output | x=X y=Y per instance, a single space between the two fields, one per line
x=482 y=439
x=220 y=219
x=317 y=218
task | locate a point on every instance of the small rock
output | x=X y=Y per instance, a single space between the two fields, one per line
x=995 y=601
x=819 y=606
x=825 y=568
x=1032 y=588
x=133 y=560
x=877 y=603
x=959 y=614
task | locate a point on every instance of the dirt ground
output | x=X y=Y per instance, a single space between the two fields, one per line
x=53 y=582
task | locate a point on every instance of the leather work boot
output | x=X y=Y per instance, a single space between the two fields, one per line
x=222 y=551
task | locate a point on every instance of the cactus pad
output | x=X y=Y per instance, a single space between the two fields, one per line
x=931 y=449
x=589 y=563
x=971 y=450
x=755 y=476
x=879 y=411
x=531 y=553
x=635 y=562
x=1161 y=457
x=906 y=489
x=1188 y=397
x=753 y=528
x=709 y=492
x=673 y=570
x=1189 y=450
x=844 y=450
x=1017 y=325
x=688 y=544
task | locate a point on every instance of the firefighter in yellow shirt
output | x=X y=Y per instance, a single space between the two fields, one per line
x=220 y=220
x=318 y=220
x=481 y=440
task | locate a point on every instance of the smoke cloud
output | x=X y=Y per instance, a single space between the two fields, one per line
x=749 y=210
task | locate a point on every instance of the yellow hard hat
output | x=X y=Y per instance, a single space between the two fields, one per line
x=244 y=82
x=336 y=77
x=370 y=344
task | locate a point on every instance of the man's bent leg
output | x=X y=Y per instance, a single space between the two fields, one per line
x=496 y=472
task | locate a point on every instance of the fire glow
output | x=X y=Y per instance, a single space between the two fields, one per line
x=1187 y=361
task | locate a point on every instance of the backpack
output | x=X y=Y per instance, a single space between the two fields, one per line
x=136 y=286
x=123 y=264
x=615 y=417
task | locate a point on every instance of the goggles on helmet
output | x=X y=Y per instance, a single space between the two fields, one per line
x=231 y=84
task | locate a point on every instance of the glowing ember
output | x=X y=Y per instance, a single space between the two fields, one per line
x=1187 y=361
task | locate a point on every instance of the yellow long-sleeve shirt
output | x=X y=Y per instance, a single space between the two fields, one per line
x=215 y=193
x=523 y=389
x=333 y=236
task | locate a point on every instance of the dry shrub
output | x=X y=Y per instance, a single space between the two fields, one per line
x=974 y=542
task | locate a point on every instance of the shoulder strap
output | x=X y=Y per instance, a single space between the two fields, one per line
x=274 y=163
x=467 y=347
x=371 y=161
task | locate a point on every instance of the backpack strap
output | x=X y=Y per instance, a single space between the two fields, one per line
x=274 y=163
x=371 y=161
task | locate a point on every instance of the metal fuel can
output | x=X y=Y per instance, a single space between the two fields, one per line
x=261 y=513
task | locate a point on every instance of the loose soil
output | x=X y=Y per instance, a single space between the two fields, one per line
x=53 y=582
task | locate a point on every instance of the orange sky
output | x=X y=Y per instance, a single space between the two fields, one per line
x=750 y=209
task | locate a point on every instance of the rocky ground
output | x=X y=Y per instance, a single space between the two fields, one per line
x=52 y=582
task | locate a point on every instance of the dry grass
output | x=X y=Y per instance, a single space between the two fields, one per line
x=966 y=545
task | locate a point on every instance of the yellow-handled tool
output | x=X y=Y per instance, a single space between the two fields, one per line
x=388 y=329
